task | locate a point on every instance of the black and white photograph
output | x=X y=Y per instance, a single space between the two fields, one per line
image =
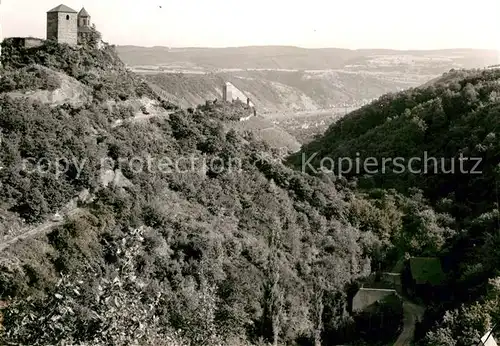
x=249 y=173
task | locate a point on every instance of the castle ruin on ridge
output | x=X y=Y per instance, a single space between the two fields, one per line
x=65 y=25
x=231 y=93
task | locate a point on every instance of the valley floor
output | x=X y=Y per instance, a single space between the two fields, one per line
x=308 y=114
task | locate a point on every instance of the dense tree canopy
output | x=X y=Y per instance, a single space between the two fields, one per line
x=458 y=220
x=240 y=247
x=208 y=237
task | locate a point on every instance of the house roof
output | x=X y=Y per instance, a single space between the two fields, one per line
x=367 y=297
x=426 y=270
x=62 y=8
x=83 y=13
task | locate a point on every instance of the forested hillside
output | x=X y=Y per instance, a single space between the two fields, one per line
x=194 y=232
x=233 y=249
x=456 y=116
x=206 y=252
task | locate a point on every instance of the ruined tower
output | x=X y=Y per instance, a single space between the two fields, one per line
x=226 y=92
x=83 y=25
x=62 y=25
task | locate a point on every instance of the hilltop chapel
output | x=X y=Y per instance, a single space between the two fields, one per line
x=65 y=25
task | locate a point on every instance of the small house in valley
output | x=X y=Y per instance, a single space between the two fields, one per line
x=367 y=297
x=393 y=279
x=427 y=271
x=424 y=277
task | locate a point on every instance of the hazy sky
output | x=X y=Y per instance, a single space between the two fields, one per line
x=398 y=24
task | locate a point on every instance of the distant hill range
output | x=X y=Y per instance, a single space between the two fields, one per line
x=287 y=57
x=281 y=79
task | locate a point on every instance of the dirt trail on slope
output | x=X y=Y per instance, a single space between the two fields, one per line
x=412 y=314
x=50 y=224
x=42 y=228
x=140 y=117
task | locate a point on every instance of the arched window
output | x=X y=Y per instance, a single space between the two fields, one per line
x=67 y=17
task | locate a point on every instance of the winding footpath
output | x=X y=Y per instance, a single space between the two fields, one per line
x=141 y=117
x=50 y=224
x=42 y=228
x=412 y=314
